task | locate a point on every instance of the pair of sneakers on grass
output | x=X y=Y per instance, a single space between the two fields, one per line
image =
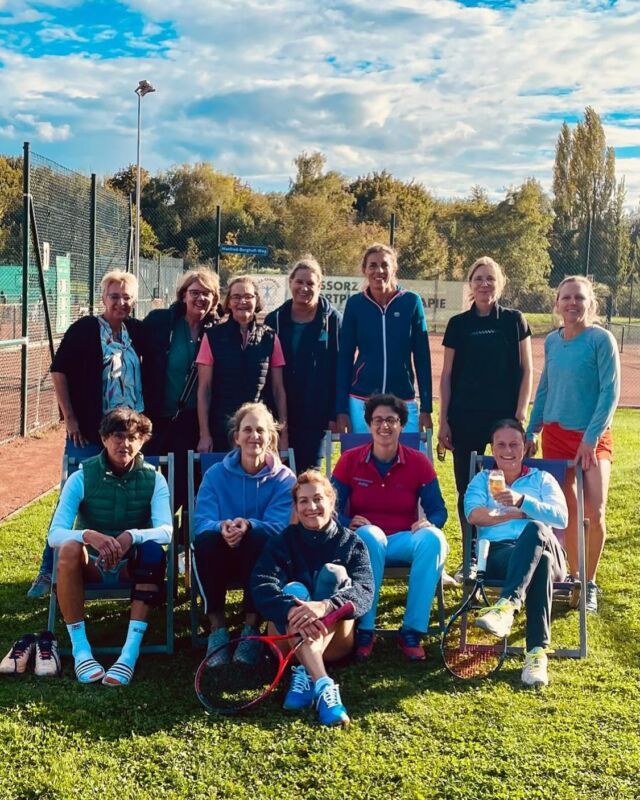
x=498 y=621
x=38 y=651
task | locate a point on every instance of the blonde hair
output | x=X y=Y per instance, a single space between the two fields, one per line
x=377 y=247
x=254 y=408
x=120 y=276
x=307 y=262
x=206 y=277
x=486 y=261
x=592 y=310
x=314 y=476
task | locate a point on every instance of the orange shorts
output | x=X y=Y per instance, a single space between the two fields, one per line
x=558 y=442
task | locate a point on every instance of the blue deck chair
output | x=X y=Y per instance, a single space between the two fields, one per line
x=417 y=441
x=562 y=589
x=197 y=465
x=122 y=590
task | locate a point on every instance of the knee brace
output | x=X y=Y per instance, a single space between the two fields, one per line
x=144 y=572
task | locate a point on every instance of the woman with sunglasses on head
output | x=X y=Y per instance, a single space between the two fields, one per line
x=379 y=486
x=308 y=327
x=236 y=362
x=96 y=369
x=575 y=401
x=487 y=372
x=386 y=327
x=169 y=371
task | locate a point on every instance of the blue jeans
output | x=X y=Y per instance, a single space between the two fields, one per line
x=358 y=425
x=80 y=454
x=424 y=552
x=330 y=579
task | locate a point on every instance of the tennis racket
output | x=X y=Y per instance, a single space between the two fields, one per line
x=470 y=652
x=233 y=686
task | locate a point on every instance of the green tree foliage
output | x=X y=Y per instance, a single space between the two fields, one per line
x=10 y=210
x=590 y=230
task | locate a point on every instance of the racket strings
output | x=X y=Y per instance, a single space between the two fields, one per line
x=468 y=651
x=226 y=683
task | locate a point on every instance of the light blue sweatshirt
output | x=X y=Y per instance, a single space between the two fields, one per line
x=580 y=384
x=227 y=491
x=543 y=502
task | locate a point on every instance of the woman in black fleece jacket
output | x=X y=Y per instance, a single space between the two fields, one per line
x=312 y=568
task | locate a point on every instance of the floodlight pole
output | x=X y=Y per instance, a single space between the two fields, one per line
x=144 y=87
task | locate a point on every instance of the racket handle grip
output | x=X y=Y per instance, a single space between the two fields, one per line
x=483 y=546
x=346 y=610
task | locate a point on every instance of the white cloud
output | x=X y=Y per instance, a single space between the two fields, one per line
x=429 y=89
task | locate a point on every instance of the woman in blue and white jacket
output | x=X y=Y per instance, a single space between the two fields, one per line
x=242 y=502
x=523 y=550
x=387 y=327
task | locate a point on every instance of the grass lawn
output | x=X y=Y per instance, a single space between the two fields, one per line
x=415 y=732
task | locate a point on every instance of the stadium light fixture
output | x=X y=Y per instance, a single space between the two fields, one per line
x=143 y=88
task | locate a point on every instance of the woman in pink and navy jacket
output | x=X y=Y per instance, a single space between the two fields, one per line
x=387 y=327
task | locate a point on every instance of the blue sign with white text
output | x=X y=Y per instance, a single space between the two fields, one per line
x=245 y=249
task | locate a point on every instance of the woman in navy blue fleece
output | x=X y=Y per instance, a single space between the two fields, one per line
x=308 y=327
x=242 y=502
x=379 y=486
x=387 y=327
x=314 y=567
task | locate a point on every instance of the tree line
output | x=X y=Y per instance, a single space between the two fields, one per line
x=583 y=227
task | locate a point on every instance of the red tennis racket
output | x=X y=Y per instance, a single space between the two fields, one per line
x=227 y=686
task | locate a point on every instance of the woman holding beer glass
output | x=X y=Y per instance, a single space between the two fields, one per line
x=487 y=371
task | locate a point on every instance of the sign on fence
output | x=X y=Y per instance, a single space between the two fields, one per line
x=245 y=249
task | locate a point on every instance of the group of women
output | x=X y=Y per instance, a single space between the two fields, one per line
x=195 y=366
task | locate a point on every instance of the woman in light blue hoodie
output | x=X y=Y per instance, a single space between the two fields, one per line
x=242 y=502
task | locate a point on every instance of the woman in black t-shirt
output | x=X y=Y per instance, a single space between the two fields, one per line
x=487 y=373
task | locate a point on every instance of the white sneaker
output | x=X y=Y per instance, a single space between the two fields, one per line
x=535 y=668
x=47 y=663
x=498 y=619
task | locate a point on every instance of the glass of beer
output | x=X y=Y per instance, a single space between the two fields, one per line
x=497 y=484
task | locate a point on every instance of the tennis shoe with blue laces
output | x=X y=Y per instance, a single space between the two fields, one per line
x=300 y=694
x=593 y=590
x=248 y=651
x=40 y=587
x=217 y=648
x=328 y=703
x=498 y=619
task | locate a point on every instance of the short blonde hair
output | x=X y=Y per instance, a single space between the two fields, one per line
x=486 y=261
x=592 y=310
x=314 y=476
x=120 y=276
x=206 y=277
x=254 y=408
x=307 y=262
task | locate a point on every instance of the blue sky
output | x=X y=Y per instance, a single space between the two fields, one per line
x=452 y=93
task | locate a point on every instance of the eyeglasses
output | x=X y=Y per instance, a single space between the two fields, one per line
x=237 y=298
x=114 y=297
x=195 y=293
x=378 y=422
x=479 y=281
x=121 y=436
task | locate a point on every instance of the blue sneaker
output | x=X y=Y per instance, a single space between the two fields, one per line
x=300 y=694
x=329 y=705
x=40 y=587
x=217 y=648
x=248 y=651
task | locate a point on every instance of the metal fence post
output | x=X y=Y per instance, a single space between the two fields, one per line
x=92 y=242
x=26 y=200
x=392 y=230
x=216 y=257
